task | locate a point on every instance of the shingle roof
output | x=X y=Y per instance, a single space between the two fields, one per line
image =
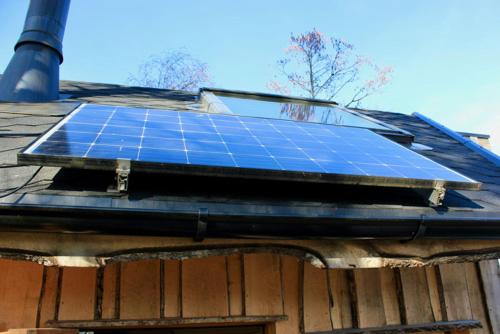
x=28 y=120
x=450 y=153
x=31 y=119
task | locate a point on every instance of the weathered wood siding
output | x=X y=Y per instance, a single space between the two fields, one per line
x=250 y=285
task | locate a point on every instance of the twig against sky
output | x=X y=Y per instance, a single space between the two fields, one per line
x=326 y=67
x=173 y=70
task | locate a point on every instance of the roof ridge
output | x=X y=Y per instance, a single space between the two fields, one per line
x=63 y=83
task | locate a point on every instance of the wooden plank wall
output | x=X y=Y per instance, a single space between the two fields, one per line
x=250 y=284
x=490 y=277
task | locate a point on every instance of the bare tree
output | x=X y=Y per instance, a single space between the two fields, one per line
x=324 y=67
x=173 y=70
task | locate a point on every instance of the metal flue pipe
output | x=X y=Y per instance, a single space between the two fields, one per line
x=33 y=72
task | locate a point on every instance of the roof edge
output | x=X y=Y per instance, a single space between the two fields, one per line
x=487 y=154
x=473 y=134
x=267 y=95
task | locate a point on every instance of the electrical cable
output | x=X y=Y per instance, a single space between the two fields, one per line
x=34 y=183
x=25 y=124
x=11 y=149
x=20 y=134
x=22 y=185
x=9 y=165
x=34 y=115
x=13 y=166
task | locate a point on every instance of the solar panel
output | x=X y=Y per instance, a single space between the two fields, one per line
x=97 y=136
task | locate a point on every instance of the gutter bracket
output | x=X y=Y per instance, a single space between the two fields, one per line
x=202 y=224
x=420 y=232
x=437 y=195
x=422 y=227
x=122 y=176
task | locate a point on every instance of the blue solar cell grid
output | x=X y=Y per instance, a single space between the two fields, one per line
x=191 y=138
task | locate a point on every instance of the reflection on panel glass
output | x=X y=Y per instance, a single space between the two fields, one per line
x=296 y=111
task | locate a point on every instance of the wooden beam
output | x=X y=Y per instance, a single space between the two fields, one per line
x=41 y=331
x=454 y=326
x=165 y=322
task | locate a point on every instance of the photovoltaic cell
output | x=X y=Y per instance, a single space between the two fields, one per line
x=180 y=138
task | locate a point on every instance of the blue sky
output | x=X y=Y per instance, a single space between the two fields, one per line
x=445 y=54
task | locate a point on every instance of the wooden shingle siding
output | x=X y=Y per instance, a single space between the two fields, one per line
x=172 y=288
x=234 y=282
x=48 y=296
x=77 y=294
x=110 y=286
x=290 y=269
x=434 y=284
x=342 y=315
x=490 y=277
x=140 y=290
x=388 y=288
x=249 y=286
x=20 y=287
x=316 y=304
x=262 y=281
x=204 y=287
x=474 y=291
x=455 y=291
x=370 y=302
x=417 y=300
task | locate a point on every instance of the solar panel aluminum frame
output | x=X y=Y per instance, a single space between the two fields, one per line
x=25 y=157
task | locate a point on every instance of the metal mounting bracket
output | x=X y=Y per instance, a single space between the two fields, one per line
x=122 y=175
x=437 y=195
